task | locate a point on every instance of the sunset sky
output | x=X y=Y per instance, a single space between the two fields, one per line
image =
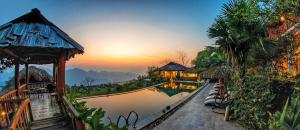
x=125 y=35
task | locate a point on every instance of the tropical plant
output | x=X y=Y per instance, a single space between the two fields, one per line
x=242 y=33
x=252 y=96
x=92 y=116
x=239 y=32
x=208 y=57
x=289 y=118
x=5 y=62
x=250 y=99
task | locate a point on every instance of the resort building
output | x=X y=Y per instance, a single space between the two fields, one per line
x=288 y=26
x=174 y=71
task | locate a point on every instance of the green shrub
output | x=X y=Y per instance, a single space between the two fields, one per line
x=253 y=96
x=289 y=118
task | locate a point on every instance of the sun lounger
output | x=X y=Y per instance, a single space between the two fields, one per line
x=216 y=86
x=214 y=102
x=213 y=93
x=214 y=96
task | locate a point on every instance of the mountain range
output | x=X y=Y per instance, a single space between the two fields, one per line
x=81 y=77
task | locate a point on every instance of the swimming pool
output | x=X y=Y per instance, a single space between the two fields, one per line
x=145 y=102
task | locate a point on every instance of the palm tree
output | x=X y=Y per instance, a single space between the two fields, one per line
x=239 y=30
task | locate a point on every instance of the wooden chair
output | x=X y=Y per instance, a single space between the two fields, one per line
x=53 y=95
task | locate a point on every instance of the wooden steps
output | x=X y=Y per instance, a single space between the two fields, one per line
x=54 y=123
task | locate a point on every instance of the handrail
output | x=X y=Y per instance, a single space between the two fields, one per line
x=38 y=84
x=127 y=119
x=77 y=122
x=21 y=89
x=122 y=117
x=137 y=118
x=70 y=106
x=13 y=93
x=8 y=95
x=23 y=117
x=9 y=102
x=12 y=100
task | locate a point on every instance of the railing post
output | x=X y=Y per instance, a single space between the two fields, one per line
x=17 y=65
x=30 y=112
x=79 y=124
x=19 y=121
x=26 y=75
x=54 y=73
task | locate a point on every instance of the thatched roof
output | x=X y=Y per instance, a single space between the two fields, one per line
x=35 y=75
x=172 y=66
x=36 y=39
x=221 y=71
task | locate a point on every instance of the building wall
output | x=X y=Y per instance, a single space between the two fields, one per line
x=173 y=75
x=292 y=67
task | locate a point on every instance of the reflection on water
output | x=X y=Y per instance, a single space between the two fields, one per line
x=173 y=88
x=145 y=102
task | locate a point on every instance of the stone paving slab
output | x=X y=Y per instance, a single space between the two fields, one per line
x=196 y=116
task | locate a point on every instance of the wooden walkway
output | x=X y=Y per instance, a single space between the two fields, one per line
x=196 y=116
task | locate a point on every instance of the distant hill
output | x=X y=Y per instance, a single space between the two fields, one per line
x=73 y=76
x=5 y=76
x=79 y=76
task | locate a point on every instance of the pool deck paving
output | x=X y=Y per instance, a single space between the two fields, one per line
x=194 y=115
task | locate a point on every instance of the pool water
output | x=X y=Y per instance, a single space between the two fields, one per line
x=145 y=102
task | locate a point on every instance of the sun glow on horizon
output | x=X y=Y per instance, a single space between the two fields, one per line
x=121 y=50
x=129 y=44
x=126 y=35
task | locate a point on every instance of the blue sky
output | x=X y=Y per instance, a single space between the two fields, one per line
x=117 y=33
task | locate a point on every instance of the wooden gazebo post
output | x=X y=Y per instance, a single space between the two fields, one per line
x=221 y=82
x=54 y=74
x=26 y=75
x=61 y=75
x=17 y=84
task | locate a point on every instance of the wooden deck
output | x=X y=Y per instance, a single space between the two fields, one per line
x=43 y=108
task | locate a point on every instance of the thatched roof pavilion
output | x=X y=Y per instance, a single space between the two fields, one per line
x=174 y=70
x=172 y=66
x=32 y=39
x=218 y=72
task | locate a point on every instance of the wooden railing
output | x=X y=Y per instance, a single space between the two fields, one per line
x=9 y=103
x=13 y=93
x=21 y=89
x=77 y=122
x=38 y=85
x=23 y=117
x=8 y=108
x=9 y=95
